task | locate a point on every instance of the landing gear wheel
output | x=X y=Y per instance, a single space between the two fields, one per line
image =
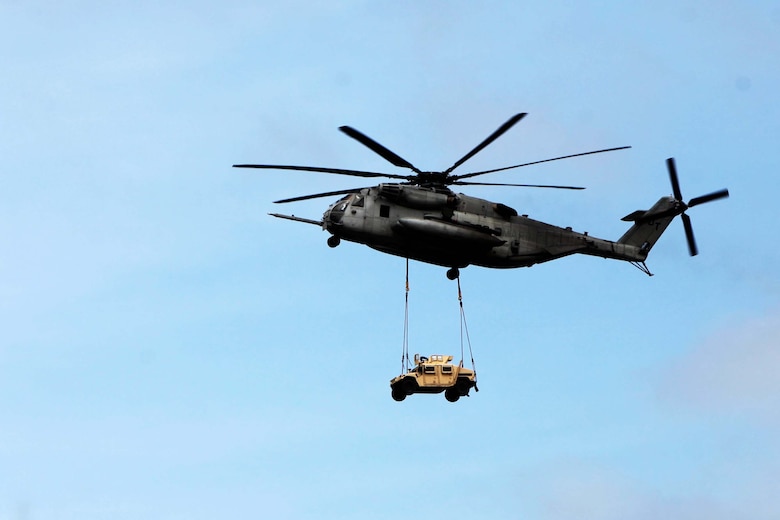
x=453 y=273
x=451 y=394
x=333 y=241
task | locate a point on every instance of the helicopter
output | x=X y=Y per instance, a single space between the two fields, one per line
x=421 y=218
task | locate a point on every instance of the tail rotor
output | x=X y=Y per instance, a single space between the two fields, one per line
x=686 y=220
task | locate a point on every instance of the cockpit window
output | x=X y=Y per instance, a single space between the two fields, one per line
x=342 y=204
x=336 y=213
x=358 y=201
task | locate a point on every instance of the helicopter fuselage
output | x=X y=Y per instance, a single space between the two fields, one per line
x=437 y=226
x=422 y=219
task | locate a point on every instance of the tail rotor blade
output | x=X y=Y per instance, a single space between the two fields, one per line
x=681 y=207
x=673 y=177
x=720 y=194
x=692 y=249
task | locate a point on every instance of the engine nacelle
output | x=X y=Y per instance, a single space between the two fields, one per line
x=417 y=197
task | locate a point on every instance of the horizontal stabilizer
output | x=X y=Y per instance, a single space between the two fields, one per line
x=633 y=217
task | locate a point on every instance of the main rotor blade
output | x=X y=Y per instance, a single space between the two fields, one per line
x=474 y=174
x=338 y=171
x=318 y=195
x=492 y=137
x=686 y=220
x=673 y=177
x=388 y=155
x=720 y=194
x=468 y=183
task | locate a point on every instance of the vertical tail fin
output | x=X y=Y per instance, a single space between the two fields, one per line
x=649 y=225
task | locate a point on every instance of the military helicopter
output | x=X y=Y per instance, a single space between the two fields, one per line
x=421 y=218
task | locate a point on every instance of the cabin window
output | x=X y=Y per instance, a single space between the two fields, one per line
x=384 y=210
x=430 y=369
x=446 y=369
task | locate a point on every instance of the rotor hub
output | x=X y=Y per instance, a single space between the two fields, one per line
x=432 y=179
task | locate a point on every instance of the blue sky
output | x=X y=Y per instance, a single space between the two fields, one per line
x=170 y=351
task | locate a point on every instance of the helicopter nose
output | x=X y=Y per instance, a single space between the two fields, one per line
x=335 y=214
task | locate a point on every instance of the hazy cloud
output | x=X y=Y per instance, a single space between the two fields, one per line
x=578 y=488
x=733 y=371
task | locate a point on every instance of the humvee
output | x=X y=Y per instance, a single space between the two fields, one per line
x=432 y=376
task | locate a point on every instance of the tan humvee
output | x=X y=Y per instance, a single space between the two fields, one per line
x=432 y=376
